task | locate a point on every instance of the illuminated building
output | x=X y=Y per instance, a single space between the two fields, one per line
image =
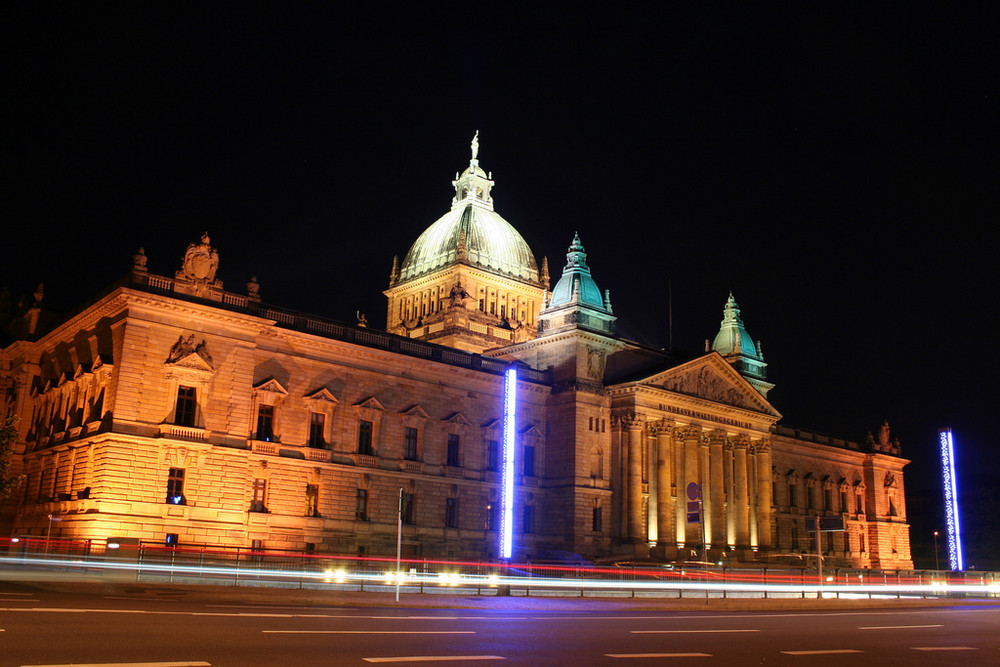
x=172 y=406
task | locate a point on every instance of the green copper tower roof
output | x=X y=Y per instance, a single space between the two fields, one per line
x=734 y=343
x=576 y=278
x=471 y=233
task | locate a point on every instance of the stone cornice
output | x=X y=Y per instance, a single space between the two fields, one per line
x=583 y=334
x=694 y=407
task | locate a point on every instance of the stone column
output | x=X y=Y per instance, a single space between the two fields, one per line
x=730 y=494
x=634 y=425
x=664 y=462
x=762 y=454
x=653 y=483
x=680 y=462
x=705 y=534
x=742 y=499
x=619 y=490
x=716 y=509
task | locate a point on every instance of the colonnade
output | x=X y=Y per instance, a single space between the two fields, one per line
x=659 y=461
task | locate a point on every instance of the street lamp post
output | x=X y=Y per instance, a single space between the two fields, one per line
x=48 y=533
x=937 y=565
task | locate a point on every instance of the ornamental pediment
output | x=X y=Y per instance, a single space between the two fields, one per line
x=416 y=411
x=459 y=419
x=711 y=378
x=370 y=403
x=324 y=395
x=272 y=386
x=531 y=432
x=189 y=353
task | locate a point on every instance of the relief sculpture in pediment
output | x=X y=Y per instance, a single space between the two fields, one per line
x=704 y=383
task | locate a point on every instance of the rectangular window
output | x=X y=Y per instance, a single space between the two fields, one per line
x=528 y=519
x=175 y=487
x=598 y=520
x=312 y=500
x=451 y=513
x=493 y=516
x=827 y=499
x=361 y=505
x=410 y=444
x=408 y=509
x=845 y=506
x=265 y=422
x=453 y=450
x=529 y=460
x=259 y=502
x=493 y=455
x=604 y=425
x=861 y=505
x=184 y=415
x=317 y=429
x=365 y=429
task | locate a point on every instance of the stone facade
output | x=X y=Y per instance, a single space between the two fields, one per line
x=173 y=407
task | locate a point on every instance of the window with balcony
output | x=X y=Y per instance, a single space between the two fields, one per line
x=317 y=429
x=186 y=407
x=365 y=431
x=410 y=444
x=452 y=454
x=265 y=423
x=529 y=460
x=493 y=455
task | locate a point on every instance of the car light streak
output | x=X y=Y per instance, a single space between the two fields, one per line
x=28 y=567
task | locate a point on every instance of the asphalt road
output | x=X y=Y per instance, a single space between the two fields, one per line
x=223 y=628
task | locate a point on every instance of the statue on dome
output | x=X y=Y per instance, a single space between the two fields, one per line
x=475 y=145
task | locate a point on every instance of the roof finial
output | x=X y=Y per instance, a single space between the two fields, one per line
x=475 y=145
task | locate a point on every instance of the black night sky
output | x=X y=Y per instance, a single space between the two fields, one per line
x=834 y=166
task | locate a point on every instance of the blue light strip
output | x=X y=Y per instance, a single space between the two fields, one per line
x=507 y=489
x=951 y=499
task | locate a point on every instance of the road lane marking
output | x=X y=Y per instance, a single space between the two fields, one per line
x=434 y=658
x=631 y=656
x=944 y=648
x=898 y=627
x=369 y=632
x=823 y=651
x=133 y=664
x=681 y=632
x=280 y=606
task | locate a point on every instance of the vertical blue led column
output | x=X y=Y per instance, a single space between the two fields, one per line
x=507 y=489
x=951 y=499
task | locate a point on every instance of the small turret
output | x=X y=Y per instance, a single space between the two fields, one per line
x=734 y=343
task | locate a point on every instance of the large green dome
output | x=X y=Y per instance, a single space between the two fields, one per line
x=473 y=233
